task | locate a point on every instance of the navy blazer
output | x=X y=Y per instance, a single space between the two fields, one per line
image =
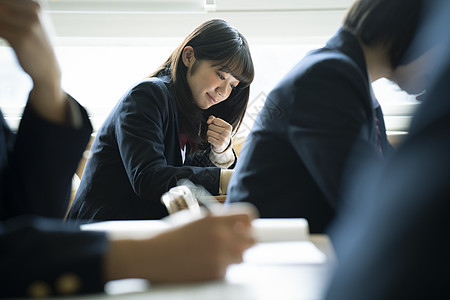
x=293 y=161
x=36 y=169
x=136 y=157
x=394 y=244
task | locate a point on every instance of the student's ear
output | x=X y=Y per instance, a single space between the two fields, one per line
x=187 y=55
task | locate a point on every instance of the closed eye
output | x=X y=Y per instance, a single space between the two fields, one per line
x=232 y=85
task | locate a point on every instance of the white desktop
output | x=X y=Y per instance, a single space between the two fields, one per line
x=286 y=263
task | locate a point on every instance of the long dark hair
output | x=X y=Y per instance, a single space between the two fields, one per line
x=393 y=23
x=215 y=41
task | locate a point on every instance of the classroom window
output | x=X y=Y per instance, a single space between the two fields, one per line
x=105 y=46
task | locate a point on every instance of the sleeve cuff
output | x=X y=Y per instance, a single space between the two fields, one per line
x=222 y=160
x=74 y=114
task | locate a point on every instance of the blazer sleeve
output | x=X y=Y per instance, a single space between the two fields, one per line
x=330 y=124
x=141 y=131
x=43 y=161
x=40 y=256
x=45 y=257
x=204 y=160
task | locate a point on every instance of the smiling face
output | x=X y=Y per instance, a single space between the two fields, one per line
x=208 y=83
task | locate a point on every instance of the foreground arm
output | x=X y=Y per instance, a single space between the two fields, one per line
x=45 y=257
x=54 y=129
x=21 y=26
x=201 y=250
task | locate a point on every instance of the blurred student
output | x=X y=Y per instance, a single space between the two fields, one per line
x=177 y=124
x=293 y=161
x=393 y=244
x=42 y=256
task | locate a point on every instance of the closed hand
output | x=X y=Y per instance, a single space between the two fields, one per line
x=219 y=134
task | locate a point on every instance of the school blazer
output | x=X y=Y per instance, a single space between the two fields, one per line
x=136 y=157
x=292 y=163
x=37 y=249
x=399 y=233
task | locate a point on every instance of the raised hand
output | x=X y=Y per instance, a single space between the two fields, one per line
x=219 y=134
x=21 y=26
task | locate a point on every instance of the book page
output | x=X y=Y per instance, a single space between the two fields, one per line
x=282 y=229
x=284 y=253
x=265 y=230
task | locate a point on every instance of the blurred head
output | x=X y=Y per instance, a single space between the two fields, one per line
x=393 y=26
x=211 y=71
x=415 y=76
x=390 y=23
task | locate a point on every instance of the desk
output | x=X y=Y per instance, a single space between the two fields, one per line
x=243 y=281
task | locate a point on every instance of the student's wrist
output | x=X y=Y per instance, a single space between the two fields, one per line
x=125 y=258
x=50 y=102
x=222 y=160
x=230 y=145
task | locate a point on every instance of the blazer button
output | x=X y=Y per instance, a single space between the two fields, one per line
x=68 y=283
x=38 y=289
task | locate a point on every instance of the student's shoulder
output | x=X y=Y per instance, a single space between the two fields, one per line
x=324 y=67
x=330 y=60
x=153 y=85
x=155 y=90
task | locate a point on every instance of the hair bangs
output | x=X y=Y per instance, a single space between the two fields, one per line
x=240 y=66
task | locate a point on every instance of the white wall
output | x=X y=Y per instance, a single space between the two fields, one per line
x=104 y=46
x=257 y=19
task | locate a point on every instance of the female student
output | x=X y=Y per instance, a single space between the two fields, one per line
x=322 y=118
x=177 y=124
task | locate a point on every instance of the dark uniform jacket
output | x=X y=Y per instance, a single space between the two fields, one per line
x=136 y=157
x=292 y=162
x=392 y=239
x=39 y=254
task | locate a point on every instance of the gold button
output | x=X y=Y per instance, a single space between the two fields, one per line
x=68 y=283
x=39 y=289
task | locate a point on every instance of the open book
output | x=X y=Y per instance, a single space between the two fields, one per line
x=265 y=230
x=284 y=240
x=279 y=241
